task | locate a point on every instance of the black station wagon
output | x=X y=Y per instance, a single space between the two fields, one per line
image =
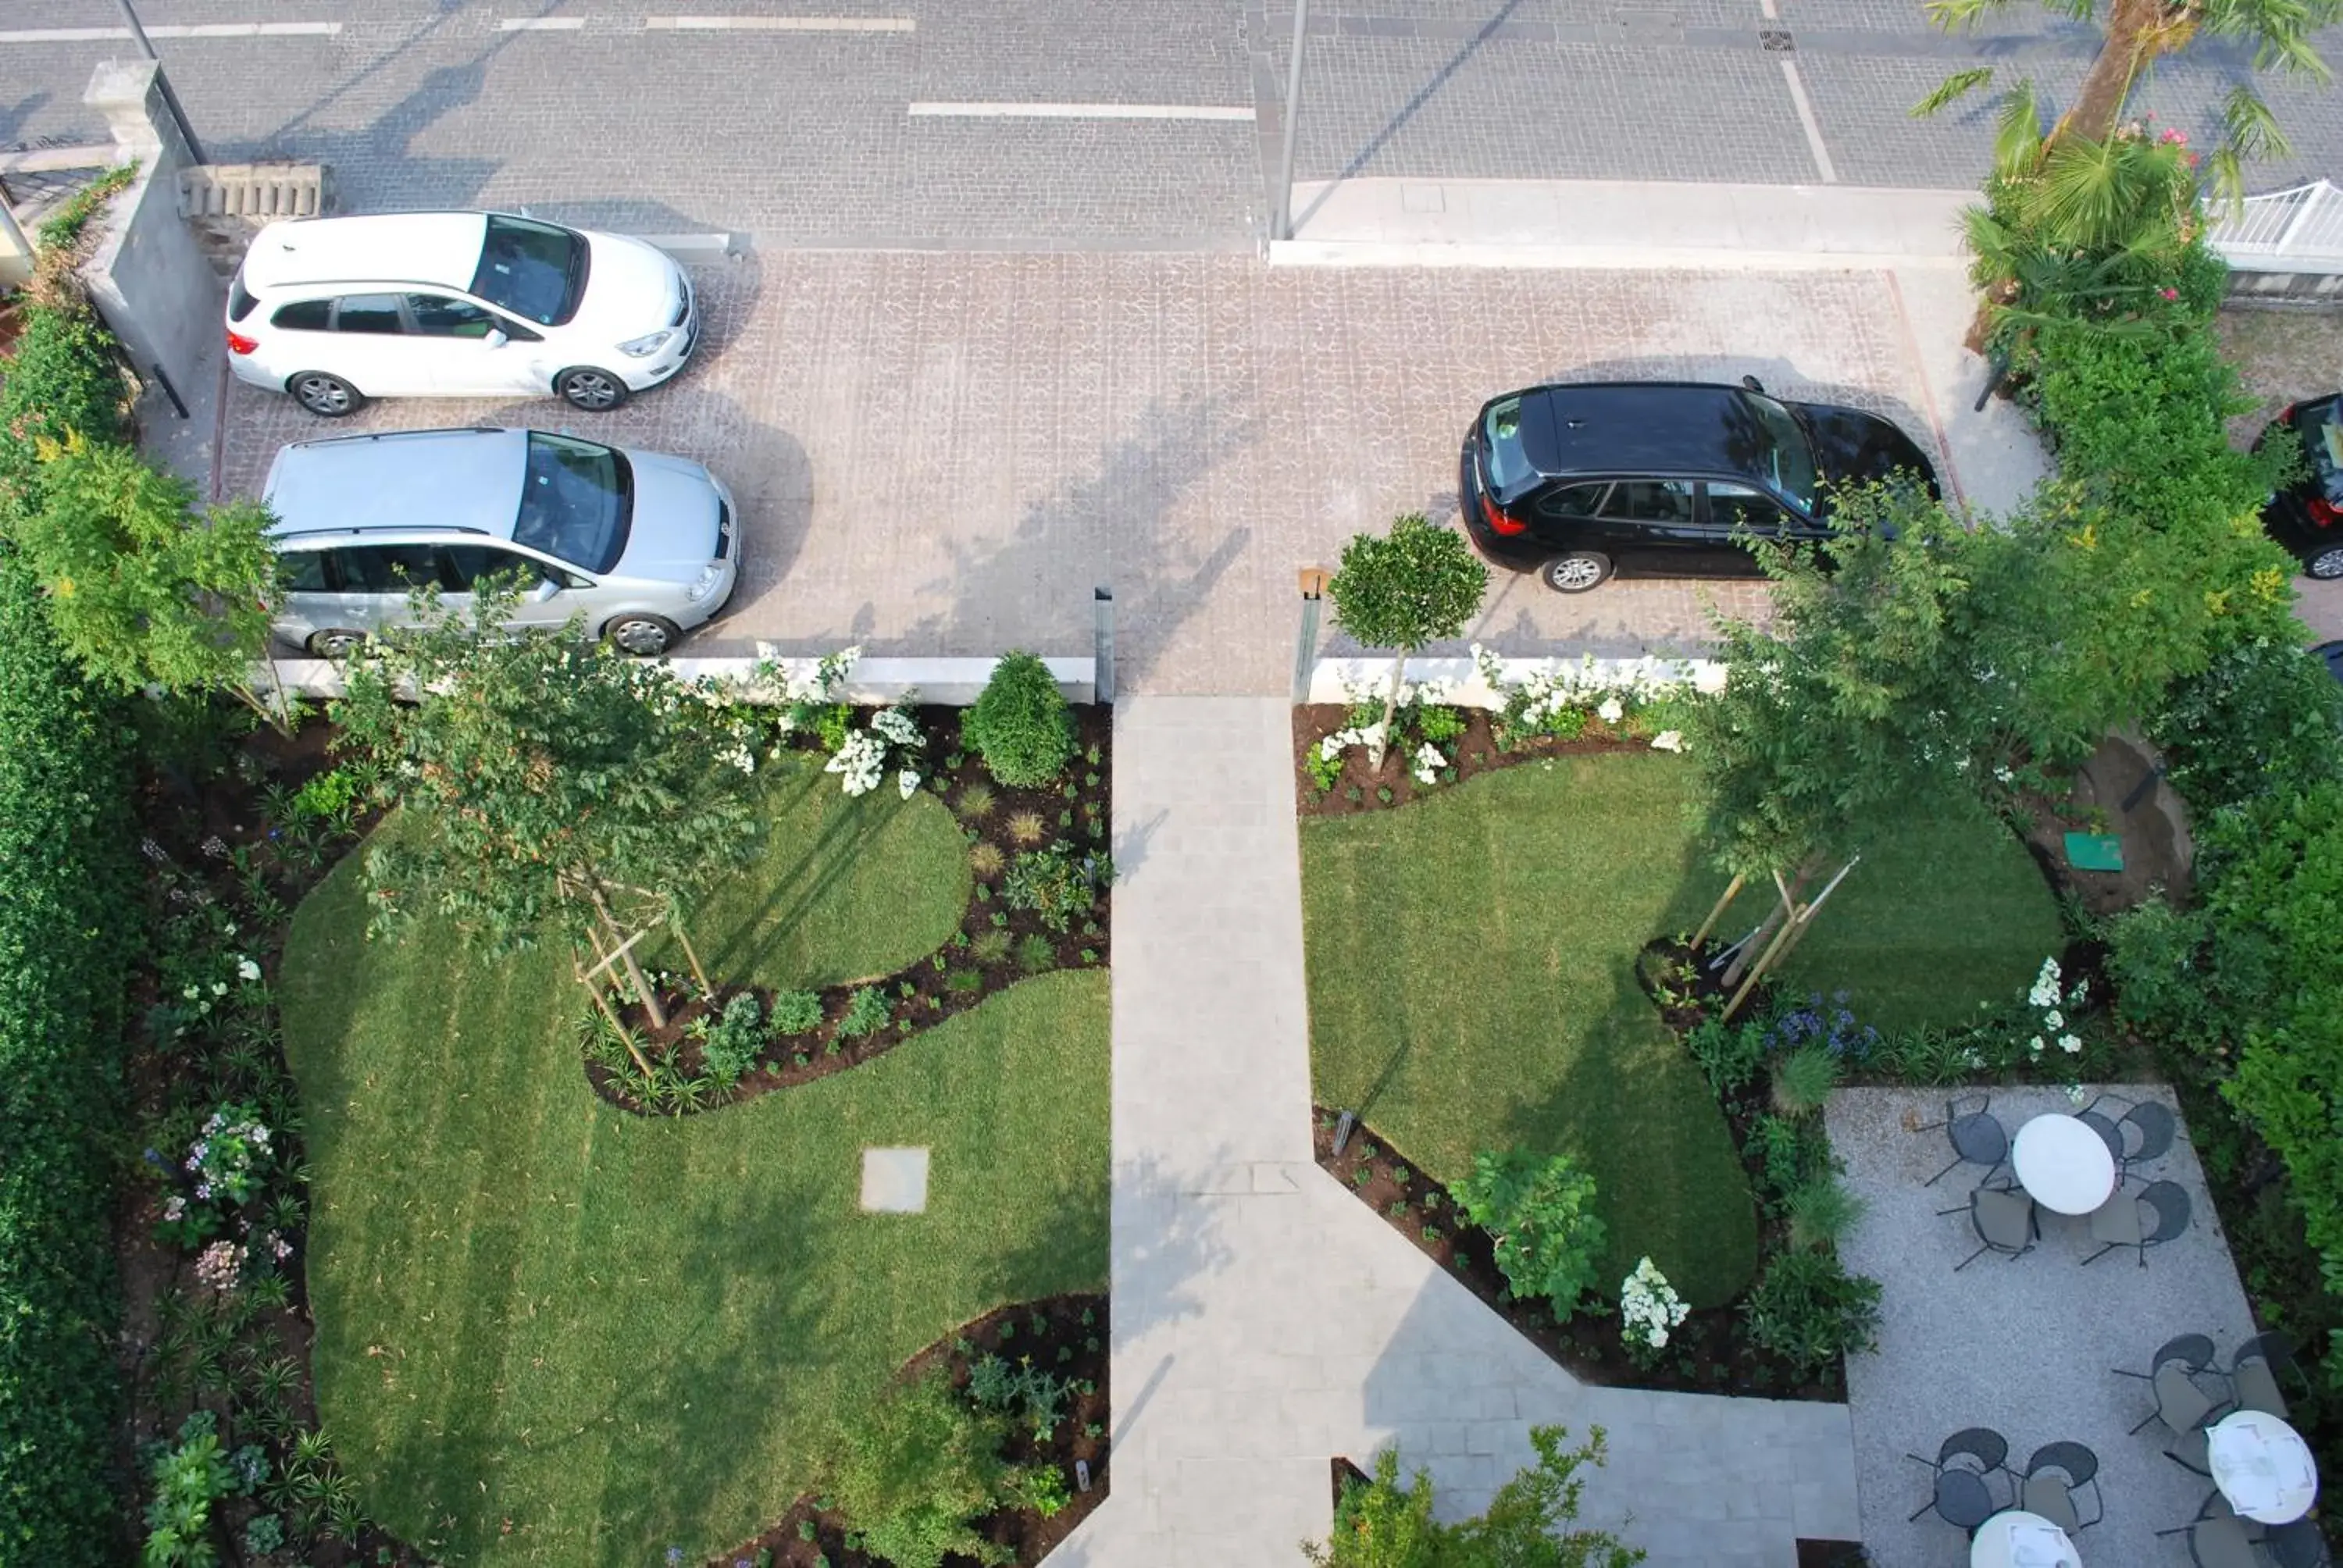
x=1657 y=478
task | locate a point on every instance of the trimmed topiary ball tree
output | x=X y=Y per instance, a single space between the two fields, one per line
x=1020 y=724
x=1401 y=590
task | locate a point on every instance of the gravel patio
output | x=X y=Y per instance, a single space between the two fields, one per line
x=2025 y=1346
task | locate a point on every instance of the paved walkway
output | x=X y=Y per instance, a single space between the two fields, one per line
x=1266 y=1322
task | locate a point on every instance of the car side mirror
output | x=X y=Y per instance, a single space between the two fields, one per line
x=546 y=588
x=1753 y=384
x=496 y=339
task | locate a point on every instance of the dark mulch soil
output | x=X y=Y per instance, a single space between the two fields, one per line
x=926 y=992
x=1065 y=1334
x=1476 y=751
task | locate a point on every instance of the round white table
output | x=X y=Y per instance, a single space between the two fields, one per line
x=2016 y=1539
x=2262 y=1466
x=2063 y=1164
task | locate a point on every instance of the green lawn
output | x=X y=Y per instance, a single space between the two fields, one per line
x=1471 y=981
x=549 y=1332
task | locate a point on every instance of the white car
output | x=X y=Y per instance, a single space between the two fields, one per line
x=336 y=310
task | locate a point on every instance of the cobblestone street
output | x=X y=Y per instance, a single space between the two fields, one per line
x=946 y=455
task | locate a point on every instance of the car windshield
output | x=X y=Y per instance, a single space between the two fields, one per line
x=577 y=501
x=1509 y=465
x=2322 y=442
x=535 y=270
x=1782 y=453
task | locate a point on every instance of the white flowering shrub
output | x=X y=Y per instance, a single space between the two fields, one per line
x=1562 y=701
x=1428 y=763
x=1649 y=1311
x=2050 y=1003
x=861 y=759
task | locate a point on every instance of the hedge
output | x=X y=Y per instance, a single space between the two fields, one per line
x=68 y=934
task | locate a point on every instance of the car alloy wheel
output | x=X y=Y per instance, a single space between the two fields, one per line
x=337 y=644
x=2326 y=564
x=595 y=391
x=644 y=635
x=327 y=397
x=1576 y=572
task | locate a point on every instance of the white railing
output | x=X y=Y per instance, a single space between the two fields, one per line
x=2297 y=230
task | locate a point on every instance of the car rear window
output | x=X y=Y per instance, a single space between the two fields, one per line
x=536 y=270
x=577 y=501
x=2322 y=442
x=239 y=298
x=1509 y=464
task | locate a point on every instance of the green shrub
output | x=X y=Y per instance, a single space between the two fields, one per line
x=1727 y=1053
x=796 y=1011
x=1050 y=883
x=1809 y=1310
x=67 y=891
x=866 y=1013
x=1540 y=1211
x=915 y=1470
x=731 y=1045
x=1384 y=1523
x=1020 y=724
x=1822 y=1209
x=2265 y=716
x=62 y=377
x=1036 y=954
x=2153 y=952
x=1019 y=1390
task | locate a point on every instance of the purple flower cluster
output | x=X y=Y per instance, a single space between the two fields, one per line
x=1831 y=1025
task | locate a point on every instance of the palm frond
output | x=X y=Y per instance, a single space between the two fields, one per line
x=2017 y=131
x=1952 y=16
x=2228 y=180
x=1957 y=85
x=2250 y=126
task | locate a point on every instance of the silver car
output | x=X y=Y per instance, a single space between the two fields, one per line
x=644 y=545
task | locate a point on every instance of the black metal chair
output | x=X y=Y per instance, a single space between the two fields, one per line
x=1982 y=1444
x=2109 y=1133
x=1960 y=1498
x=2193 y=1351
x=2217 y=1538
x=2054 y=1476
x=1977 y=1138
x=2157 y=1127
x=2300 y=1544
x=2254 y=1372
x=2181 y=1404
x=2003 y=1218
x=2118 y=1223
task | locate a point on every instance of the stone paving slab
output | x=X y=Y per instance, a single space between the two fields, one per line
x=1265 y=1321
x=947 y=454
x=2025 y=1346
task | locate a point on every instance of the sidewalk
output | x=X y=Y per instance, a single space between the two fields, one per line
x=1264 y=1320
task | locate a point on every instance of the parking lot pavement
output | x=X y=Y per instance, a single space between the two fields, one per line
x=946 y=454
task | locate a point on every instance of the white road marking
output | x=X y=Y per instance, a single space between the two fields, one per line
x=778 y=24
x=197 y=30
x=1079 y=112
x=1807 y=118
x=540 y=23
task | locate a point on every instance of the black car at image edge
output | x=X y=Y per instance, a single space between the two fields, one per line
x=2306 y=518
x=1578 y=482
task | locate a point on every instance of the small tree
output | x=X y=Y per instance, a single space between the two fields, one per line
x=1020 y=723
x=1540 y=1211
x=1403 y=590
x=915 y=1470
x=142 y=588
x=1384 y=1523
x=566 y=786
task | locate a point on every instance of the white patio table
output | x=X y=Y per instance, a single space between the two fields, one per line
x=2063 y=1164
x=2016 y=1539
x=2262 y=1466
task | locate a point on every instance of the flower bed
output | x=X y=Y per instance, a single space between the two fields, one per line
x=1064 y=1335
x=1043 y=848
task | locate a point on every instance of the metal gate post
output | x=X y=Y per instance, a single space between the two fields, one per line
x=1102 y=645
x=1305 y=644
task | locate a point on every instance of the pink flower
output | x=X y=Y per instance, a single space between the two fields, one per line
x=2173 y=138
x=2169 y=293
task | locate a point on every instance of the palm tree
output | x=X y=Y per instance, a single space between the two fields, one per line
x=2138 y=33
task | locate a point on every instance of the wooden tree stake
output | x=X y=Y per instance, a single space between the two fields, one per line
x=594 y=989
x=1732 y=891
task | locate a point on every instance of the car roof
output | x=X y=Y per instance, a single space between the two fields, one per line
x=407 y=481
x=435 y=247
x=1640 y=427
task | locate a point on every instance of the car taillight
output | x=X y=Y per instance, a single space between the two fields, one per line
x=237 y=343
x=2323 y=512
x=1501 y=521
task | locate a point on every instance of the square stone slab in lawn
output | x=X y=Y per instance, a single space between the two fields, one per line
x=895 y=1181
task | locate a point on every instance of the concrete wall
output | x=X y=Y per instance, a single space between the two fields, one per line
x=146 y=273
x=16 y=251
x=874 y=682
x=2249 y=286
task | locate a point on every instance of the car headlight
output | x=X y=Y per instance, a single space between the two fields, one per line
x=705 y=583
x=651 y=343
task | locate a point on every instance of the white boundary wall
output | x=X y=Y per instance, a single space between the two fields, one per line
x=874 y=682
x=1459 y=680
